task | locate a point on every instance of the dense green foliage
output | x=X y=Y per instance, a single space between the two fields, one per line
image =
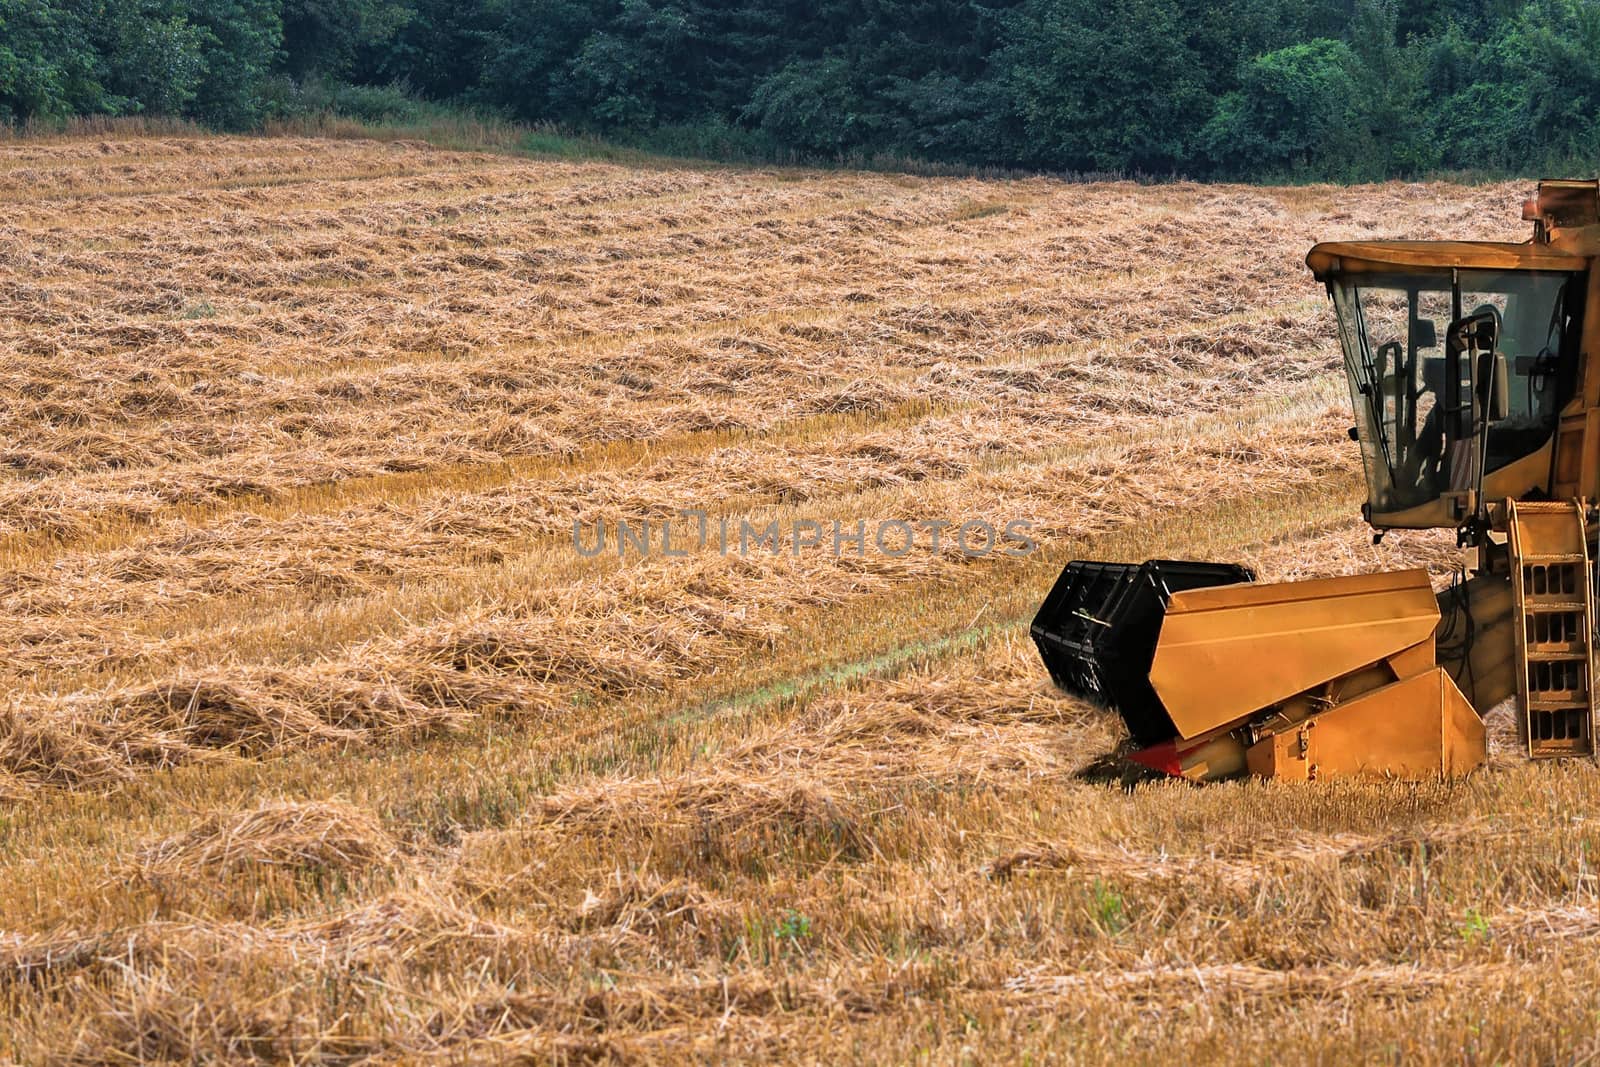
x=1344 y=88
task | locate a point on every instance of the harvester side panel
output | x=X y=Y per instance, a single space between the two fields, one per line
x=1417 y=727
x=1476 y=639
x=1226 y=653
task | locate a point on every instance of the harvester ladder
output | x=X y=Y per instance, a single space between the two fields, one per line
x=1549 y=551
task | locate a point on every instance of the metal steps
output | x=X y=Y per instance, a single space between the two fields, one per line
x=1555 y=599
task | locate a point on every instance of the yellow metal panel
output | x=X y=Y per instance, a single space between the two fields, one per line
x=1281 y=756
x=1228 y=651
x=1413 y=660
x=1419 y=727
x=1466 y=742
x=1515 y=479
x=1589 y=374
x=1491 y=675
x=1589 y=455
x=1366 y=256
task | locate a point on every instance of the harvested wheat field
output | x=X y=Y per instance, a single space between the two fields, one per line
x=323 y=742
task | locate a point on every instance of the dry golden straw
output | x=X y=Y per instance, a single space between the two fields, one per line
x=320 y=743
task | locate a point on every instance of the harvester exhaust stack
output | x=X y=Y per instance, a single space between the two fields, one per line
x=1214 y=675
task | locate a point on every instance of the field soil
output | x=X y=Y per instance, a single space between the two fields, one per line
x=322 y=740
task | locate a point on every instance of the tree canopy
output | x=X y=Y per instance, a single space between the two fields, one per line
x=1227 y=88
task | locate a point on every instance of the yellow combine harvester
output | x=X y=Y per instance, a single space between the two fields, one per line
x=1474 y=371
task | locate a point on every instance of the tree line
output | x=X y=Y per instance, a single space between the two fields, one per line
x=1348 y=89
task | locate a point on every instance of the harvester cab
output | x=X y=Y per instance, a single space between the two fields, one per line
x=1458 y=372
x=1476 y=409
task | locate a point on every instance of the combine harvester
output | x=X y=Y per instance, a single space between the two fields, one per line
x=1474 y=371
